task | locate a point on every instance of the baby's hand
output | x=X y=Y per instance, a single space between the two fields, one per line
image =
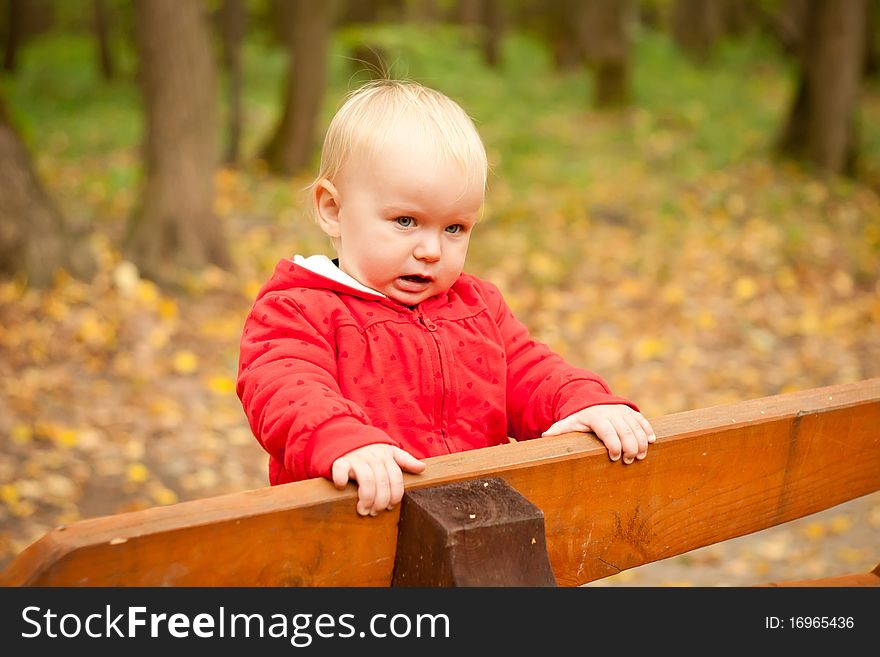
x=622 y=429
x=377 y=469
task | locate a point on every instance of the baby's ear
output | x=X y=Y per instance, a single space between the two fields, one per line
x=325 y=197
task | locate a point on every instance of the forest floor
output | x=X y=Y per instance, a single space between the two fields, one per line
x=117 y=396
x=664 y=247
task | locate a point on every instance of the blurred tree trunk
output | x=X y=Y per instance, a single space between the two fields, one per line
x=13 y=9
x=35 y=241
x=102 y=35
x=696 y=25
x=606 y=28
x=24 y=19
x=872 y=32
x=291 y=147
x=821 y=127
x=366 y=58
x=564 y=32
x=790 y=24
x=488 y=17
x=233 y=21
x=359 y=11
x=176 y=226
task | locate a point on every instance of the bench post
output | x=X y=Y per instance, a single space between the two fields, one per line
x=480 y=532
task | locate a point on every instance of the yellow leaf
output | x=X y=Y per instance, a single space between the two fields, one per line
x=147 y=293
x=852 y=556
x=158 y=337
x=545 y=267
x=66 y=438
x=786 y=280
x=163 y=407
x=185 y=362
x=10 y=291
x=22 y=509
x=221 y=385
x=649 y=348
x=575 y=323
x=56 y=309
x=9 y=494
x=168 y=309
x=222 y=327
x=706 y=320
x=760 y=568
x=21 y=434
x=672 y=294
x=841 y=524
x=138 y=473
x=59 y=434
x=163 y=495
x=68 y=517
x=252 y=288
x=810 y=323
x=745 y=288
x=815 y=531
x=842 y=283
x=95 y=331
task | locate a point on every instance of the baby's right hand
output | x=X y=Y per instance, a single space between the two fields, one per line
x=377 y=469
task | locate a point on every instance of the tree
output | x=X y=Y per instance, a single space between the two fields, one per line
x=606 y=33
x=696 y=25
x=821 y=124
x=368 y=58
x=175 y=227
x=595 y=33
x=35 y=240
x=872 y=30
x=292 y=144
x=102 y=20
x=232 y=17
x=488 y=18
x=24 y=20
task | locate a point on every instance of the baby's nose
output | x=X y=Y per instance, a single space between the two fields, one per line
x=428 y=249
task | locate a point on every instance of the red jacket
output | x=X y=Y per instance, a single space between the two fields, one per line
x=325 y=368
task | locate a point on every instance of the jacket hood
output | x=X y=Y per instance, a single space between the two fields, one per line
x=317 y=272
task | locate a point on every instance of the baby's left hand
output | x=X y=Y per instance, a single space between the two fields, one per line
x=622 y=429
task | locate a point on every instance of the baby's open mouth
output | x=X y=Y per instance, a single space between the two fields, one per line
x=415 y=278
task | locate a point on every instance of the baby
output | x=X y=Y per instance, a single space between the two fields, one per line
x=356 y=368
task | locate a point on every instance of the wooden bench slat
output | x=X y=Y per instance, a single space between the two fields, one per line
x=714 y=474
x=854 y=579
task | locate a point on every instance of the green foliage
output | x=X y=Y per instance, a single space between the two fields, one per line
x=545 y=140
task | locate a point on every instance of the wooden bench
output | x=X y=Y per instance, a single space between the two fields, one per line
x=713 y=474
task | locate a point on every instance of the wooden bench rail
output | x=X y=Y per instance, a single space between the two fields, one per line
x=713 y=474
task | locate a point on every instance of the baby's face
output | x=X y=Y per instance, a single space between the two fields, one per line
x=405 y=217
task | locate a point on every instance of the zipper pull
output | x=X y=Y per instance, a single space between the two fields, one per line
x=427 y=323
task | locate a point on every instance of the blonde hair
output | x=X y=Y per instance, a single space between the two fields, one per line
x=370 y=113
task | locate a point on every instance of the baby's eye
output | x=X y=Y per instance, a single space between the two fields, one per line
x=405 y=222
x=455 y=229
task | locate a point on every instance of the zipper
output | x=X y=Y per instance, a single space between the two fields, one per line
x=432 y=329
x=427 y=323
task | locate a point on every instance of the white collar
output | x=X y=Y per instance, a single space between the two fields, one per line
x=323 y=266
